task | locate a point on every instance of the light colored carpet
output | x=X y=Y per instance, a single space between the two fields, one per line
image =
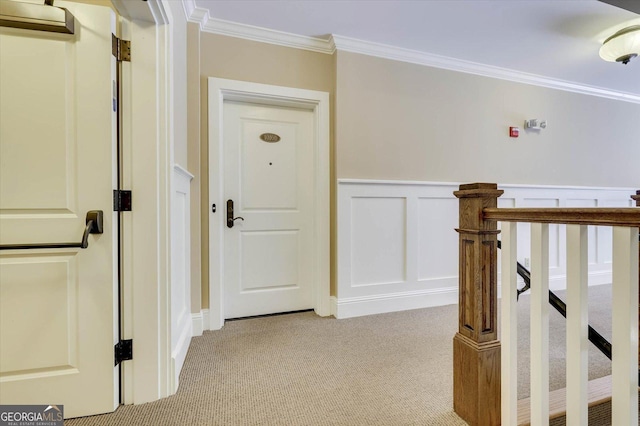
x=300 y=369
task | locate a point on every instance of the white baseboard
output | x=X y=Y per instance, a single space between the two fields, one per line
x=559 y=282
x=595 y=278
x=198 y=326
x=179 y=354
x=384 y=303
x=200 y=322
x=206 y=320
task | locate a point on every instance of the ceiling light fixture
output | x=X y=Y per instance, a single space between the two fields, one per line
x=622 y=46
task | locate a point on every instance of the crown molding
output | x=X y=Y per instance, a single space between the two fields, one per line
x=200 y=16
x=189 y=7
x=208 y=24
x=195 y=14
x=347 y=44
x=280 y=38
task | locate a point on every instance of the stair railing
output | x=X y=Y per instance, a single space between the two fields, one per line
x=485 y=376
x=597 y=339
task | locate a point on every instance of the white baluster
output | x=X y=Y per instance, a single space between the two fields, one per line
x=539 y=324
x=509 y=325
x=577 y=325
x=625 y=327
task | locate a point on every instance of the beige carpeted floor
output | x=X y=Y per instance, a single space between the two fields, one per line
x=300 y=369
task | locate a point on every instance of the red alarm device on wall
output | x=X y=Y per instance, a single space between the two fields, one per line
x=514 y=132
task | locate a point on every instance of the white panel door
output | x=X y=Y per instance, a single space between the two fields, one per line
x=268 y=256
x=57 y=128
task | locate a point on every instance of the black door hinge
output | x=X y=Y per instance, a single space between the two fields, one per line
x=121 y=49
x=121 y=200
x=123 y=351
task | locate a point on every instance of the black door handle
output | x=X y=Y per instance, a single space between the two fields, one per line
x=94 y=225
x=230 y=219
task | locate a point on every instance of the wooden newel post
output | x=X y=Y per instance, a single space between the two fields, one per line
x=476 y=348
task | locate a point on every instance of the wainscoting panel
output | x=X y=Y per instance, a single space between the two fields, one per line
x=398 y=248
x=181 y=319
x=379 y=237
x=437 y=217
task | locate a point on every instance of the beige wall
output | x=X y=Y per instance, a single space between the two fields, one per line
x=179 y=78
x=403 y=121
x=237 y=59
x=393 y=120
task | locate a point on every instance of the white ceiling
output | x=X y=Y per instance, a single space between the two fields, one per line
x=558 y=39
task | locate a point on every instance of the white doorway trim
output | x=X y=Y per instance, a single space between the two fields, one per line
x=146 y=170
x=318 y=102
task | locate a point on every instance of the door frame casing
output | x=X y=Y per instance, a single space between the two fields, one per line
x=146 y=170
x=221 y=90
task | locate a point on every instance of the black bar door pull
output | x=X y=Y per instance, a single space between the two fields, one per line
x=94 y=225
x=230 y=219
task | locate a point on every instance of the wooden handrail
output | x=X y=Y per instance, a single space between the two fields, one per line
x=576 y=216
